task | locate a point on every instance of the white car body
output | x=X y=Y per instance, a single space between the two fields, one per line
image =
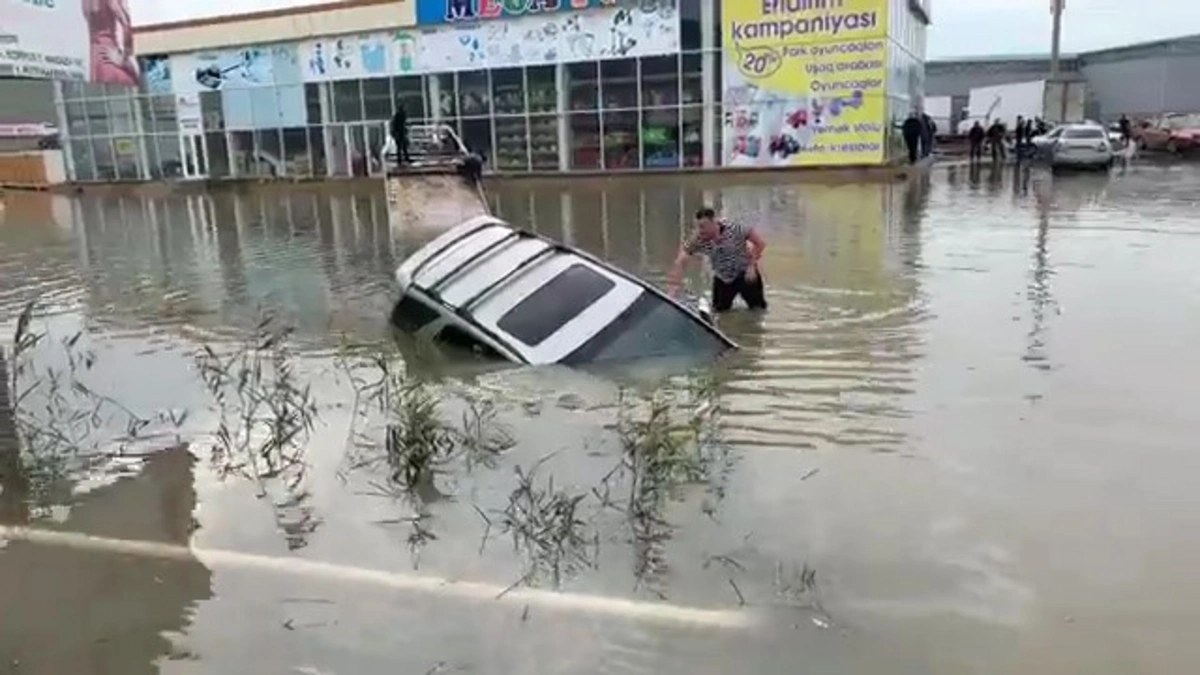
x=528 y=299
x=1076 y=145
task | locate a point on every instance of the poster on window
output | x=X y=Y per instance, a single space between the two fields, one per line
x=68 y=40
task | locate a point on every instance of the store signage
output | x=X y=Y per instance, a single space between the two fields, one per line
x=432 y=12
x=27 y=130
x=804 y=83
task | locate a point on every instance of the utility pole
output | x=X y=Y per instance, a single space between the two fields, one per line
x=1056 y=10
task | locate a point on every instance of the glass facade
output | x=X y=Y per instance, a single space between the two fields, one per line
x=607 y=114
x=906 y=69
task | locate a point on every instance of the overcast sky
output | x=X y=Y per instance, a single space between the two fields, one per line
x=960 y=27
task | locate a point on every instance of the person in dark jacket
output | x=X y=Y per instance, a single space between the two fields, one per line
x=1019 y=135
x=975 y=137
x=928 y=133
x=911 y=130
x=1126 y=130
x=995 y=136
x=400 y=133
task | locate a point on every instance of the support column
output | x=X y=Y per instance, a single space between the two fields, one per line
x=64 y=137
x=139 y=128
x=563 y=104
x=433 y=89
x=708 y=84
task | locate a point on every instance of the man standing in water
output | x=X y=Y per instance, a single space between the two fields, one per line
x=734 y=252
x=400 y=133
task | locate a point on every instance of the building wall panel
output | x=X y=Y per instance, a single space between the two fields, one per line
x=267 y=27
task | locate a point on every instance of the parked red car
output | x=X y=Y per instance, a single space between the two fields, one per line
x=1174 y=133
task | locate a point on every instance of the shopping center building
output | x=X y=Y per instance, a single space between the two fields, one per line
x=532 y=85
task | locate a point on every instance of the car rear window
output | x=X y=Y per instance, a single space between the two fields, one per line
x=561 y=299
x=1085 y=133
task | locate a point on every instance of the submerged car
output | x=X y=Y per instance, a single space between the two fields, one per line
x=508 y=293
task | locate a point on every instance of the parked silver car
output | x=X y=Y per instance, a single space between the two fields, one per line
x=1076 y=145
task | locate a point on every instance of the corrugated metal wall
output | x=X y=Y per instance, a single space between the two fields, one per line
x=957 y=78
x=1145 y=86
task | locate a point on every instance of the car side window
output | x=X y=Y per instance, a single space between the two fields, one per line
x=411 y=314
x=457 y=338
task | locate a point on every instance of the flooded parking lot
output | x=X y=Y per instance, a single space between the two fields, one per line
x=962 y=440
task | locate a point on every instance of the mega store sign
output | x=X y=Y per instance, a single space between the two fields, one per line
x=432 y=12
x=67 y=40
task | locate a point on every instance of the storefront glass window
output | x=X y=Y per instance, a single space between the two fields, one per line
x=347 y=101
x=447 y=99
x=126 y=158
x=410 y=90
x=543 y=142
x=377 y=98
x=312 y=103
x=691 y=138
x=660 y=81
x=316 y=150
x=618 y=84
x=508 y=91
x=77 y=121
x=217 y=150
x=106 y=167
x=474 y=96
x=543 y=92
x=167 y=146
x=621 y=139
x=81 y=155
x=583 y=86
x=660 y=138
x=584 y=138
x=99 y=121
x=692 y=92
x=512 y=143
x=268 y=153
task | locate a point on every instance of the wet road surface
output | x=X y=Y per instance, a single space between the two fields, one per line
x=961 y=441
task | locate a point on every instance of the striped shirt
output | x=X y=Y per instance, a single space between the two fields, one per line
x=728 y=253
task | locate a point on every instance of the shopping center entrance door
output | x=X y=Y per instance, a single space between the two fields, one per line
x=195 y=161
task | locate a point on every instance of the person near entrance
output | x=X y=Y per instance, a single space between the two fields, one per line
x=734 y=252
x=912 y=130
x=400 y=133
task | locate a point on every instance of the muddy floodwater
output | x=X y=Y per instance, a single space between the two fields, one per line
x=963 y=439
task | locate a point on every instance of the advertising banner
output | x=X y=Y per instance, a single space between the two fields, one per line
x=612 y=33
x=805 y=82
x=434 y=12
x=68 y=40
x=260 y=87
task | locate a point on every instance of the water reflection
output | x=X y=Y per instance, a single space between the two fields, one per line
x=72 y=610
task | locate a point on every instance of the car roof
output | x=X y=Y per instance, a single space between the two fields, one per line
x=483 y=268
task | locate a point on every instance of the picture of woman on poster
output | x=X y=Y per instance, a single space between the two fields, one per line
x=111 y=34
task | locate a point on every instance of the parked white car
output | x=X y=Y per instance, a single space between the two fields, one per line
x=503 y=292
x=1076 y=145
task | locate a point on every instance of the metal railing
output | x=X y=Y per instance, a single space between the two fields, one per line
x=429 y=146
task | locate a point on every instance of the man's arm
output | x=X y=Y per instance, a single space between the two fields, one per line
x=677 y=268
x=756 y=245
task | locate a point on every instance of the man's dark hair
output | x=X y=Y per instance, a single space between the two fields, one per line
x=705 y=212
